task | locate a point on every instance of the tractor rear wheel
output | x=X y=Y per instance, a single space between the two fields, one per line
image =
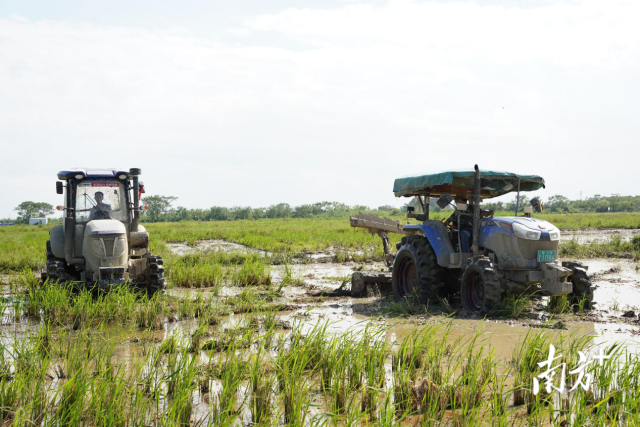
x=480 y=287
x=416 y=273
x=155 y=274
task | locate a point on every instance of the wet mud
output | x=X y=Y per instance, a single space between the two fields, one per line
x=584 y=237
x=617 y=294
x=213 y=246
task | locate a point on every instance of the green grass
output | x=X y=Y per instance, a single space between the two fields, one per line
x=24 y=246
x=612 y=248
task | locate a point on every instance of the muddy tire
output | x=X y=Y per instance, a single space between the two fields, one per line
x=480 y=289
x=155 y=275
x=582 y=286
x=416 y=273
x=56 y=268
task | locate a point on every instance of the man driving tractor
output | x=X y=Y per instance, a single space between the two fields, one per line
x=100 y=210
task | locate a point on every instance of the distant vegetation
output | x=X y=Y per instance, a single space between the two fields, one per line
x=561 y=204
x=161 y=210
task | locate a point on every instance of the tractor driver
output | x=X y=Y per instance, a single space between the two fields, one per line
x=466 y=224
x=100 y=210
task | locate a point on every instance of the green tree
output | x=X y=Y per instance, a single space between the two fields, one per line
x=219 y=213
x=559 y=203
x=158 y=206
x=281 y=210
x=27 y=210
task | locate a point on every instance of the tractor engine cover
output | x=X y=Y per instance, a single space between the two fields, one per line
x=104 y=245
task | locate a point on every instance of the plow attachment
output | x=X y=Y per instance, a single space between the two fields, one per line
x=375 y=284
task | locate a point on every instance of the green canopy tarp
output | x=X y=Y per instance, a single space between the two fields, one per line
x=460 y=183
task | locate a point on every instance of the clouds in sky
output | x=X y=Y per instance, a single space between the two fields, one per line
x=308 y=104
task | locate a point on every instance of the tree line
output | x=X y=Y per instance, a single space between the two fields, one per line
x=160 y=208
x=562 y=204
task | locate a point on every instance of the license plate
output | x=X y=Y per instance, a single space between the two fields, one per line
x=546 y=256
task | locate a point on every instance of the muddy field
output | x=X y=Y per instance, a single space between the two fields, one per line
x=226 y=343
x=615 y=317
x=617 y=294
x=601 y=235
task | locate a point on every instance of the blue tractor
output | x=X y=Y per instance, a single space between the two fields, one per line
x=473 y=252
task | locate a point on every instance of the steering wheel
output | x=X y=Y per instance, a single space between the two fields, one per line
x=101 y=213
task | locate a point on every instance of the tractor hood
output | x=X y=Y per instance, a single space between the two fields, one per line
x=545 y=229
x=538 y=224
x=105 y=226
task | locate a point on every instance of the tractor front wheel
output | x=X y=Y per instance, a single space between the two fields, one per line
x=582 y=286
x=480 y=289
x=155 y=275
x=416 y=273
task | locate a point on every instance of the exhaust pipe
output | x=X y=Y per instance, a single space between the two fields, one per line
x=136 y=199
x=476 y=213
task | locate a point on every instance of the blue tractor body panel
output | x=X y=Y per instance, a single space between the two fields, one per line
x=436 y=234
x=512 y=252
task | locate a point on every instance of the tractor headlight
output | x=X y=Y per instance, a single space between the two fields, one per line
x=527 y=233
x=554 y=234
x=98 y=248
x=119 y=247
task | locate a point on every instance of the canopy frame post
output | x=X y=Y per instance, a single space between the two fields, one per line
x=517 y=199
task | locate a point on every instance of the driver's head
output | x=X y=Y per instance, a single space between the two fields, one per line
x=99 y=196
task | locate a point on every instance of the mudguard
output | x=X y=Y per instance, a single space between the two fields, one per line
x=56 y=236
x=436 y=234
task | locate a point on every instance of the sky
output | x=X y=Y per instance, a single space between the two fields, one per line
x=256 y=103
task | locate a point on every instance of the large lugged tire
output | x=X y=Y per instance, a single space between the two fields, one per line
x=56 y=268
x=582 y=286
x=480 y=288
x=155 y=275
x=416 y=273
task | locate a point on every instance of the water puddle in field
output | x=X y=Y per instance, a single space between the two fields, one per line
x=618 y=285
x=177 y=248
x=322 y=276
x=599 y=236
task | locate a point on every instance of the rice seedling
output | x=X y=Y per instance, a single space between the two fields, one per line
x=149 y=313
x=289 y=278
x=196 y=337
x=262 y=383
x=225 y=407
x=513 y=305
x=180 y=382
x=559 y=305
x=253 y=272
x=406 y=308
x=291 y=364
x=525 y=364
